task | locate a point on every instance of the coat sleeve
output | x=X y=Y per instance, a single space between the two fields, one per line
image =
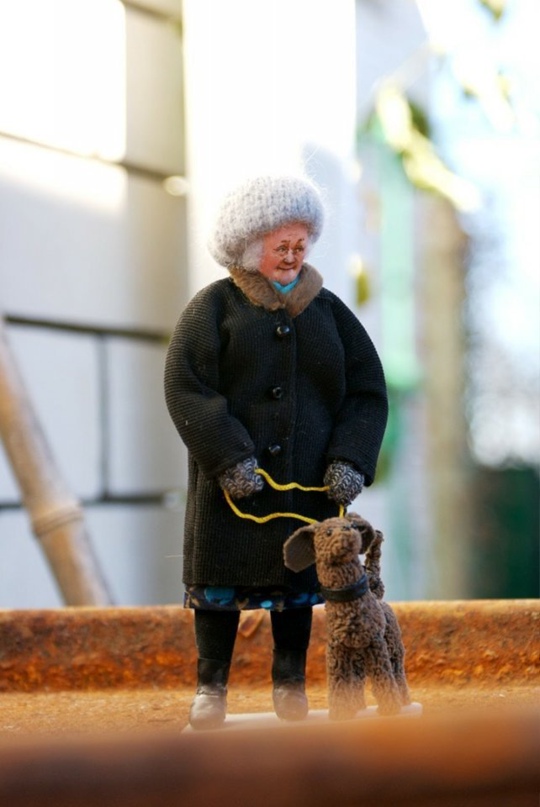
x=214 y=438
x=361 y=422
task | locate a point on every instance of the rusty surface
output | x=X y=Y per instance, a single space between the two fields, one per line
x=448 y=643
x=93 y=703
x=465 y=761
x=95 y=648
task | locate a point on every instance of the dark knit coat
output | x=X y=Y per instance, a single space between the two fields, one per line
x=293 y=380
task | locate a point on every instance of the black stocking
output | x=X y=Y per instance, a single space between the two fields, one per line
x=291 y=628
x=215 y=633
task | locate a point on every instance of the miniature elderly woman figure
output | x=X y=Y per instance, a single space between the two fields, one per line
x=266 y=371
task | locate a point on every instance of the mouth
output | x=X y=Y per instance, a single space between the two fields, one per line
x=287 y=268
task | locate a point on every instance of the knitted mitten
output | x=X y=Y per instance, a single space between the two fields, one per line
x=241 y=480
x=344 y=482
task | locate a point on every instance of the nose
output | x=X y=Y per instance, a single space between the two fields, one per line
x=289 y=257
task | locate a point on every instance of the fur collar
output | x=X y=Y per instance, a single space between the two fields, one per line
x=260 y=291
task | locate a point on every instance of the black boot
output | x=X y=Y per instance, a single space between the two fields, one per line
x=289 y=678
x=209 y=706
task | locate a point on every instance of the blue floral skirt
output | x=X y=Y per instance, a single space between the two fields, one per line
x=241 y=598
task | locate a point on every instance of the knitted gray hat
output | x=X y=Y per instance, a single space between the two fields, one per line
x=259 y=206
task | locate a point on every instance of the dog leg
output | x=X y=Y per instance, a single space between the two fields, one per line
x=359 y=680
x=396 y=651
x=345 y=683
x=385 y=688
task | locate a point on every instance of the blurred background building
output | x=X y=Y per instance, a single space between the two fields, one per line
x=122 y=124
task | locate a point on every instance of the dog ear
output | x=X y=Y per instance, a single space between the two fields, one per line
x=367 y=533
x=298 y=550
x=373 y=549
x=356 y=521
x=373 y=565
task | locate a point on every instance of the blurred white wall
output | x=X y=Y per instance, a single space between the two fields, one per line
x=93 y=274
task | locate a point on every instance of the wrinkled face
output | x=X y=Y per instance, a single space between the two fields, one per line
x=283 y=252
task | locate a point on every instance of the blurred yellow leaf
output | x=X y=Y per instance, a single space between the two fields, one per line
x=362 y=281
x=495 y=7
x=423 y=166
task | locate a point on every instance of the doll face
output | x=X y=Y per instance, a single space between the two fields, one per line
x=283 y=252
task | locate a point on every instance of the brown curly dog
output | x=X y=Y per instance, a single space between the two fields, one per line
x=364 y=638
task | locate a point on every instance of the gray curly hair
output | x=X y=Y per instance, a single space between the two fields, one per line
x=257 y=207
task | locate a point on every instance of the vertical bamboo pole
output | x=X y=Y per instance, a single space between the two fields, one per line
x=56 y=517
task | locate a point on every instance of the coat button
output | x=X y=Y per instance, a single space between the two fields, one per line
x=283 y=330
x=274 y=450
x=276 y=392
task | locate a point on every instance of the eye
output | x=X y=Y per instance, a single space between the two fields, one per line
x=282 y=250
x=329 y=532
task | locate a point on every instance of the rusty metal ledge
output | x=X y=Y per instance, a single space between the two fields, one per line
x=100 y=648
x=472 y=761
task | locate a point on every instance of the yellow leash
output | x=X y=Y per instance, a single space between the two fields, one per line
x=277 y=486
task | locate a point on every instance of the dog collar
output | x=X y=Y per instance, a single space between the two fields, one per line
x=347 y=593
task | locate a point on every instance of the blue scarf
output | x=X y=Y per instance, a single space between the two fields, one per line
x=285 y=289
